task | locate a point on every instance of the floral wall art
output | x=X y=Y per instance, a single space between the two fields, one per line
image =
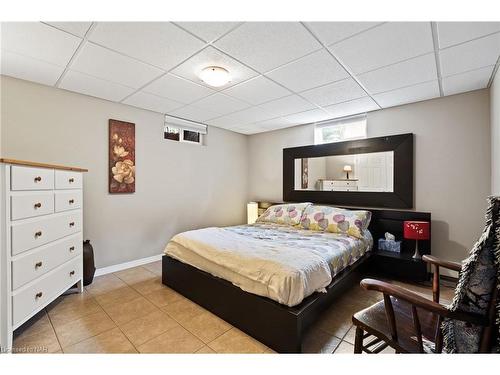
x=121 y=157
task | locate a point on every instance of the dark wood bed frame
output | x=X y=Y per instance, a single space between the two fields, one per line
x=278 y=326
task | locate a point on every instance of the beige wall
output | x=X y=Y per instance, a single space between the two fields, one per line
x=452 y=163
x=495 y=135
x=179 y=186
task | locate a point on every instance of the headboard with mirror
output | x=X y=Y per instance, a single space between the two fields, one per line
x=372 y=172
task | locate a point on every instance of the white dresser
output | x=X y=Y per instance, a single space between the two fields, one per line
x=339 y=185
x=41 y=239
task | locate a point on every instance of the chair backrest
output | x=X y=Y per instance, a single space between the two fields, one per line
x=476 y=291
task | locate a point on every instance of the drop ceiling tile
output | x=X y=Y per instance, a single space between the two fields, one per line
x=22 y=67
x=307 y=117
x=383 y=45
x=111 y=66
x=179 y=89
x=88 y=85
x=246 y=116
x=267 y=45
x=158 y=43
x=333 y=32
x=152 y=102
x=257 y=90
x=286 y=106
x=190 y=112
x=352 y=107
x=39 y=41
x=406 y=73
x=336 y=92
x=422 y=91
x=451 y=33
x=221 y=104
x=75 y=28
x=472 y=80
x=208 y=31
x=191 y=68
x=471 y=55
x=316 y=69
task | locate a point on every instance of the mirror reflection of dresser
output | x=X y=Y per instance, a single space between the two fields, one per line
x=338 y=185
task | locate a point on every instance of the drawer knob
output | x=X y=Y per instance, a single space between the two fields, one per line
x=71 y=201
x=71 y=180
x=38 y=179
x=72 y=248
x=38 y=264
x=72 y=224
x=38 y=234
x=38 y=295
x=72 y=273
x=38 y=205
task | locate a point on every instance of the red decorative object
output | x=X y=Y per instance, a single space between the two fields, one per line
x=121 y=157
x=416 y=230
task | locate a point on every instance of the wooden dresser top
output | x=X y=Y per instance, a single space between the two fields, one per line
x=41 y=165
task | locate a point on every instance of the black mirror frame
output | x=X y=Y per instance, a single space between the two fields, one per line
x=402 y=197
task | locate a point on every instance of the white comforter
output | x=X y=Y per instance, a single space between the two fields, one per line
x=278 y=262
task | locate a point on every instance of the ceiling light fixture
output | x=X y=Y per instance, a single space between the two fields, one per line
x=215 y=76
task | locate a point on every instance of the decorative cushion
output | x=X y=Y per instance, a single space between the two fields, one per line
x=475 y=285
x=336 y=220
x=289 y=214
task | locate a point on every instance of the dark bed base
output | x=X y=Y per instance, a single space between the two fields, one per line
x=278 y=326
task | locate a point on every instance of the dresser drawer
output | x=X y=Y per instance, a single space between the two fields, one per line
x=340 y=183
x=29 y=178
x=37 y=232
x=68 y=180
x=45 y=258
x=26 y=205
x=68 y=200
x=46 y=288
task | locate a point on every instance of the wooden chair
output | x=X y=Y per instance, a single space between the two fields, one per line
x=410 y=323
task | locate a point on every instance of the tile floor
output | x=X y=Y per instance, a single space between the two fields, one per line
x=131 y=311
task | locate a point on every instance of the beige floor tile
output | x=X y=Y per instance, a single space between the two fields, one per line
x=206 y=326
x=105 y=284
x=163 y=297
x=44 y=341
x=120 y=295
x=112 y=341
x=344 y=348
x=135 y=275
x=154 y=267
x=318 y=341
x=336 y=320
x=235 y=341
x=143 y=329
x=205 y=350
x=183 y=310
x=122 y=313
x=69 y=312
x=176 y=340
x=38 y=324
x=149 y=285
x=83 y=328
x=350 y=335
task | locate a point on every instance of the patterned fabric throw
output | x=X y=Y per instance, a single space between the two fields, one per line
x=476 y=281
x=336 y=220
x=288 y=214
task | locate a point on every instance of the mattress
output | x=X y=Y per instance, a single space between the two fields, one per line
x=280 y=262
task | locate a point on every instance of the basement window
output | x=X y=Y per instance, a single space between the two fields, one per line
x=344 y=129
x=180 y=130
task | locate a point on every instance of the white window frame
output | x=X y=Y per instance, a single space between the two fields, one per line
x=182 y=125
x=342 y=123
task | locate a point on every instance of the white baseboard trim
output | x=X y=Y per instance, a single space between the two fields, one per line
x=126 y=265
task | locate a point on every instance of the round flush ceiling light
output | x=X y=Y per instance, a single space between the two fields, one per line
x=215 y=76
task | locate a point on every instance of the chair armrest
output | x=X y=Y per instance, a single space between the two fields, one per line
x=421 y=302
x=454 y=266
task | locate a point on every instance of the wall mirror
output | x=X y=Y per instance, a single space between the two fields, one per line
x=376 y=172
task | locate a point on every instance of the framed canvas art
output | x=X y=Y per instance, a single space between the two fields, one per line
x=121 y=157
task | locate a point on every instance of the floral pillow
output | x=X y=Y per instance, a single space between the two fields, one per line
x=336 y=220
x=284 y=213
